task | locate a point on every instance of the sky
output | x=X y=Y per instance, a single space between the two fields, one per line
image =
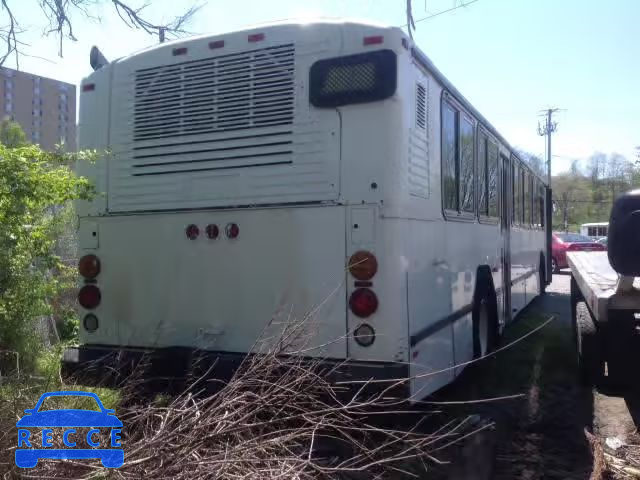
x=509 y=58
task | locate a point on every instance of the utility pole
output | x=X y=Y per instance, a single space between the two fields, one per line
x=549 y=127
x=161 y=33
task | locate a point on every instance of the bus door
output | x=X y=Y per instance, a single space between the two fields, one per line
x=505 y=225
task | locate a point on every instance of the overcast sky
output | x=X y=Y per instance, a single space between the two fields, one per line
x=510 y=58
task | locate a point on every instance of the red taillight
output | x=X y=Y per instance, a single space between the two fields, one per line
x=88 y=87
x=212 y=231
x=363 y=302
x=192 y=231
x=216 y=44
x=89 y=296
x=89 y=266
x=373 y=40
x=363 y=265
x=256 y=37
x=232 y=230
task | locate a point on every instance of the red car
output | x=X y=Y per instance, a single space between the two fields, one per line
x=561 y=243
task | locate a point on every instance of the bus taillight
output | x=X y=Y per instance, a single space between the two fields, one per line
x=212 y=231
x=363 y=302
x=89 y=296
x=363 y=265
x=232 y=230
x=89 y=266
x=192 y=231
x=373 y=40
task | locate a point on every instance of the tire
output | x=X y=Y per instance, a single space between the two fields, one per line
x=542 y=278
x=554 y=265
x=485 y=322
x=590 y=361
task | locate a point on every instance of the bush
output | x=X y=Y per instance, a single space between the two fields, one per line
x=35 y=187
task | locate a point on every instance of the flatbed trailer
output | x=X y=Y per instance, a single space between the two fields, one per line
x=605 y=301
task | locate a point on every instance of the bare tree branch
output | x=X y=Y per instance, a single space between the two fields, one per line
x=59 y=13
x=9 y=34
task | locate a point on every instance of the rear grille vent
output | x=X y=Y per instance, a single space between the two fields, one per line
x=238 y=91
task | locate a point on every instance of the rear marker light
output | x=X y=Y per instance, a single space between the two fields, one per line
x=88 y=87
x=364 y=335
x=373 y=40
x=363 y=302
x=232 y=230
x=256 y=37
x=212 y=231
x=89 y=296
x=89 y=266
x=192 y=232
x=216 y=44
x=363 y=265
x=179 y=51
x=90 y=322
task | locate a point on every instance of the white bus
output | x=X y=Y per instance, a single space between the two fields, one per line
x=324 y=172
x=595 y=230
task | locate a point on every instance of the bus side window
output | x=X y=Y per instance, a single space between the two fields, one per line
x=541 y=200
x=514 y=192
x=483 y=200
x=517 y=187
x=527 y=199
x=449 y=157
x=467 y=176
x=492 y=174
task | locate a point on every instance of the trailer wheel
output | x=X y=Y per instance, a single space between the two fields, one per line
x=590 y=361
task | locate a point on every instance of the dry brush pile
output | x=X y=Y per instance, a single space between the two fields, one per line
x=277 y=418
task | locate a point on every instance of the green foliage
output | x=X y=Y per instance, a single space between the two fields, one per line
x=35 y=186
x=587 y=195
x=11 y=134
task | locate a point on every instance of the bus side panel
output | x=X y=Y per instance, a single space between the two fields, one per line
x=429 y=299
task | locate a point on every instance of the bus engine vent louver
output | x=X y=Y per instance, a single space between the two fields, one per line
x=239 y=91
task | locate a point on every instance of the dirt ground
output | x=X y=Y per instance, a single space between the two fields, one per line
x=541 y=435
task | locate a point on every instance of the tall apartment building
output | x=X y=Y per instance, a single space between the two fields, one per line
x=44 y=108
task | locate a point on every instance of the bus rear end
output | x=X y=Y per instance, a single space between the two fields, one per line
x=224 y=216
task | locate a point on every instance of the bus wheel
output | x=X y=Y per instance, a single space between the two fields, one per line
x=485 y=331
x=590 y=362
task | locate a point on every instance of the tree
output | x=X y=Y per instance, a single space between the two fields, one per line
x=56 y=18
x=32 y=183
x=11 y=134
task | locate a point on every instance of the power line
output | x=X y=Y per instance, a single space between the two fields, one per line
x=442 y=12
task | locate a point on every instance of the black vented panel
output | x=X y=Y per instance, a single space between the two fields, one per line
x=421 y=106
x=239 y=91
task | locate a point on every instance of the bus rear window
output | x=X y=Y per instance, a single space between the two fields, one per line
x=360 y=78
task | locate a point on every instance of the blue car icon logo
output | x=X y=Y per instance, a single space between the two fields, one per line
x=35 y=433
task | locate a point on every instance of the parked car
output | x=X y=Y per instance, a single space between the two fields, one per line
x=561 y=243
x=602 y=241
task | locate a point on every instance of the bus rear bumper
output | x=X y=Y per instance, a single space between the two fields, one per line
x=172 y=369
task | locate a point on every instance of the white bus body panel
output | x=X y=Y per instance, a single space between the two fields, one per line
x=223 y=294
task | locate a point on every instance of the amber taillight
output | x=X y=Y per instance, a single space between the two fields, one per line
x=363 y=265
